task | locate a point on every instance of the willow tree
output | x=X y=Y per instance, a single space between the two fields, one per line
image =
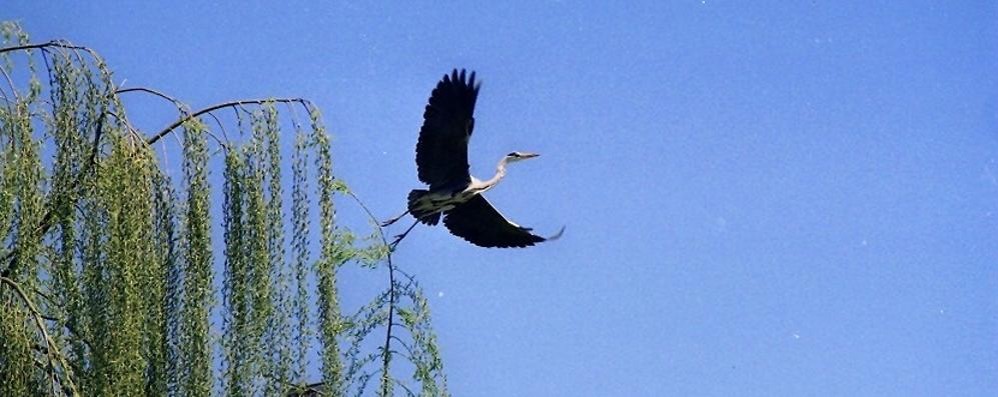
x=108 y=268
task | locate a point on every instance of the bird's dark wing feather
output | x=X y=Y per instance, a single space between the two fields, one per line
x=442 y=151
x=481 y=224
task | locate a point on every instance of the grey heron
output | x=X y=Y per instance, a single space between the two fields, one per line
x=442 y=163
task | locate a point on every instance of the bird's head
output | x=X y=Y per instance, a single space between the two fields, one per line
x=513 y=157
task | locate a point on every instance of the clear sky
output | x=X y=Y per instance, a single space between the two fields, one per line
x=765 y=199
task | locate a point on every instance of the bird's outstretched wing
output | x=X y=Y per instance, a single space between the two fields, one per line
x=442 y=151
x=481 y=224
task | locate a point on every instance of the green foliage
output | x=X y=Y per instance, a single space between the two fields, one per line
x=125 y=200
x=197 y=297
x=333 y=253
x=236 y=274
x=112 y=284
x=300 y=222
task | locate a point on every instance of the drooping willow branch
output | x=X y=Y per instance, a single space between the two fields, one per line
x=392 y=294
x=52 y=350
x=45 y=47
x=46 y=221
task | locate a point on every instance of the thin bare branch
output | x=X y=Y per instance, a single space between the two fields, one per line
x=392 y=292
x=180 y=105
x=53 y=43
x=10 y=83
x=184 y=119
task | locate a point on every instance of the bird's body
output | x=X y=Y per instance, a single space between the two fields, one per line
x=442 y=163
x=427 y=205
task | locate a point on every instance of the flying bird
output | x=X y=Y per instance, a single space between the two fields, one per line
x=442 y=163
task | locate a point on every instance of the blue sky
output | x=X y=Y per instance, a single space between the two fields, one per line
x=765 y=199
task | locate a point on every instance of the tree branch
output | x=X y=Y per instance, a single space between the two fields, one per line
x=184 y=119
x=53 y=43
x=392 y=293
x=177 y=103
x=52 y=349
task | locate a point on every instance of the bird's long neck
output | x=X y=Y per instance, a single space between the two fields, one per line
x=500 y=173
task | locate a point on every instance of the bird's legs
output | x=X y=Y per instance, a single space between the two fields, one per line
x=399 y=237
x=395 y=219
